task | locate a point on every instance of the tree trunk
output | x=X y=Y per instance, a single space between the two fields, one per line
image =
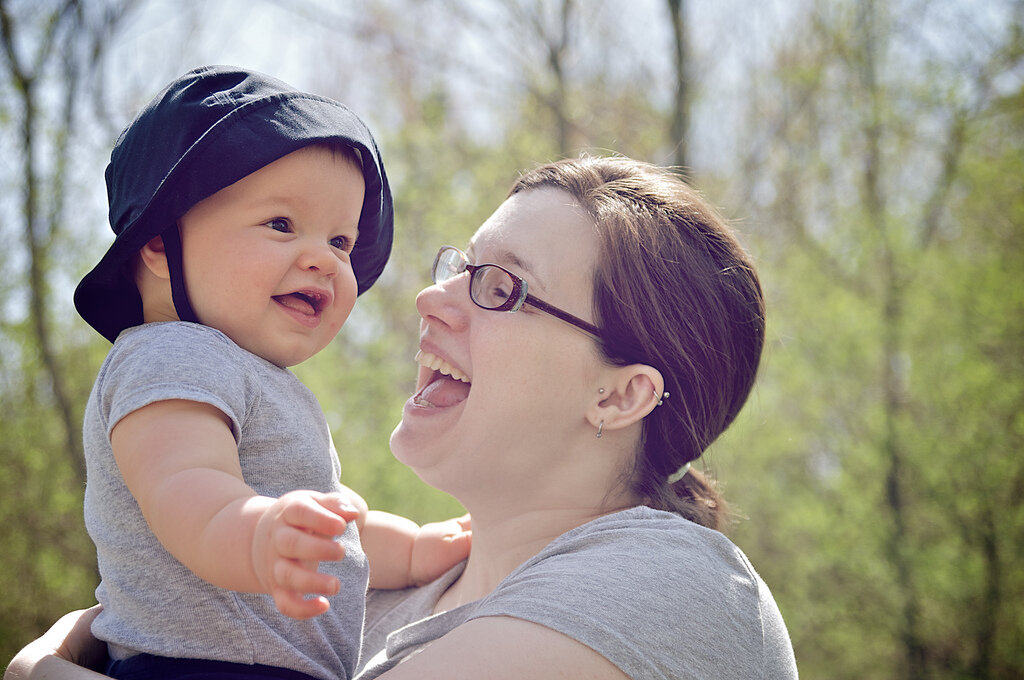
x=37 y=229
x=559 y=100
x=894 y=361
x=681 y=104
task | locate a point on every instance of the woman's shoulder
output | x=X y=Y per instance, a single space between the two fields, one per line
x=657 y=542
x=635 y=583
x=656 y=560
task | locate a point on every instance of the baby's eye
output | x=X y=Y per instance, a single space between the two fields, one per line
x=280 y=224
x=342 y=243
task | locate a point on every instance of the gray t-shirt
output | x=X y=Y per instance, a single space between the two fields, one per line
x=151 y=602
x=658 y=596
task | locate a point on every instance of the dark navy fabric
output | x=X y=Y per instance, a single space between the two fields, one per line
x=207 y=130
x=150 y=667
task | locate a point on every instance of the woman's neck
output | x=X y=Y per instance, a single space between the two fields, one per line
x=502 y=544
x=515 y=522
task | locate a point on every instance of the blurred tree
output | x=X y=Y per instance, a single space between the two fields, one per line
x=39 y=223
x=680 y=113
x=970 y=328
x=857 y=160
x=51 y=54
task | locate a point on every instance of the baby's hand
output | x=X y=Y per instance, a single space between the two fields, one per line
x=292 y=537
x=438 y=547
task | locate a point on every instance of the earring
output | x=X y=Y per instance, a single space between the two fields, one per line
x=600 y=390
x=599 y=428
x=660 y=397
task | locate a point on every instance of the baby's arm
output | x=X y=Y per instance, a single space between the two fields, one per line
x=403 y=554
x=180 y=461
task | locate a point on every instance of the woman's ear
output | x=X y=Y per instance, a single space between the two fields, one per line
x=631 y=393
x=154 y=258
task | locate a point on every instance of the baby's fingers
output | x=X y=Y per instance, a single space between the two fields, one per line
x=296 y=606
x=305 y=511
x=339 y=504
x=293 y=576
x=297 y=544
x=295 y=583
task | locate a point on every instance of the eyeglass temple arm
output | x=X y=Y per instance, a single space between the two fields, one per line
x=564 y=316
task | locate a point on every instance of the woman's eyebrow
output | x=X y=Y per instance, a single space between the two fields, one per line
x=509 y=259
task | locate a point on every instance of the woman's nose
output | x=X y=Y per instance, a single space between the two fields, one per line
x=448 y=302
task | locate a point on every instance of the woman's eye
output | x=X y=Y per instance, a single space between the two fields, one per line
x=500 y=293
x=280 y=224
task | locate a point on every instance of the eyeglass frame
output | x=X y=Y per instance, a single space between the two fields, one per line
x=517 y=298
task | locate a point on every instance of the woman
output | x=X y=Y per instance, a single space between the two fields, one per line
x=567 y=430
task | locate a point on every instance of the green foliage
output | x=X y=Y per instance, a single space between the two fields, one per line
x=879 y=459
x=49 y=563
x=802 y=466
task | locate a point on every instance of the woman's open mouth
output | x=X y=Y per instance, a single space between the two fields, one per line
x=446 y=387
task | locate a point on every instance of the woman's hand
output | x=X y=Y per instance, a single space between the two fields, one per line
x=66 y=650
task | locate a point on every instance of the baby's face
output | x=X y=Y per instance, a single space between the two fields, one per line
x=267 y=259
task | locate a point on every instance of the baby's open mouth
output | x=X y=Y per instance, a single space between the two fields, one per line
x=309 y=302
x=447 y=386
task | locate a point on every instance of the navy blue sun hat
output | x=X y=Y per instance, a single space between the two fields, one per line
x=205 y=131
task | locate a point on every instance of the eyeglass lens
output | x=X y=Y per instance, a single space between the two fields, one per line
x=490 y=286
x=449 y=262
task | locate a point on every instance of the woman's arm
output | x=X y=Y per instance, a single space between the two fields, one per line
x=504 y=648
x=65 y=652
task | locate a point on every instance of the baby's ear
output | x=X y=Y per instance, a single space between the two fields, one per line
x=154 y=258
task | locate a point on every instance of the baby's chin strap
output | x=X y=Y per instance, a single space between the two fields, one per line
x=176 y=268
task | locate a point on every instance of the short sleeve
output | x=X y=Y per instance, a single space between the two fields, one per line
x=162 y=361
x=658 y=596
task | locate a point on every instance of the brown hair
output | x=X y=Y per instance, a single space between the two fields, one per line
x=673 y=289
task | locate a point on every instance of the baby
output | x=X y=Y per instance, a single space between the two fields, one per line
x=248 y=217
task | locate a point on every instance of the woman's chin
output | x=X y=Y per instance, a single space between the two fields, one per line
x=411 y=445
x=425 y=454
x=397 y=442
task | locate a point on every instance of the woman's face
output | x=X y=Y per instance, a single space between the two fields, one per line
x=510 y=424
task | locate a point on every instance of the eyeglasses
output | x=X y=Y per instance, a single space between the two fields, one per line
x=496 y=288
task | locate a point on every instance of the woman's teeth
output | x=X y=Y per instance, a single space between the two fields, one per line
x=436 y=363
